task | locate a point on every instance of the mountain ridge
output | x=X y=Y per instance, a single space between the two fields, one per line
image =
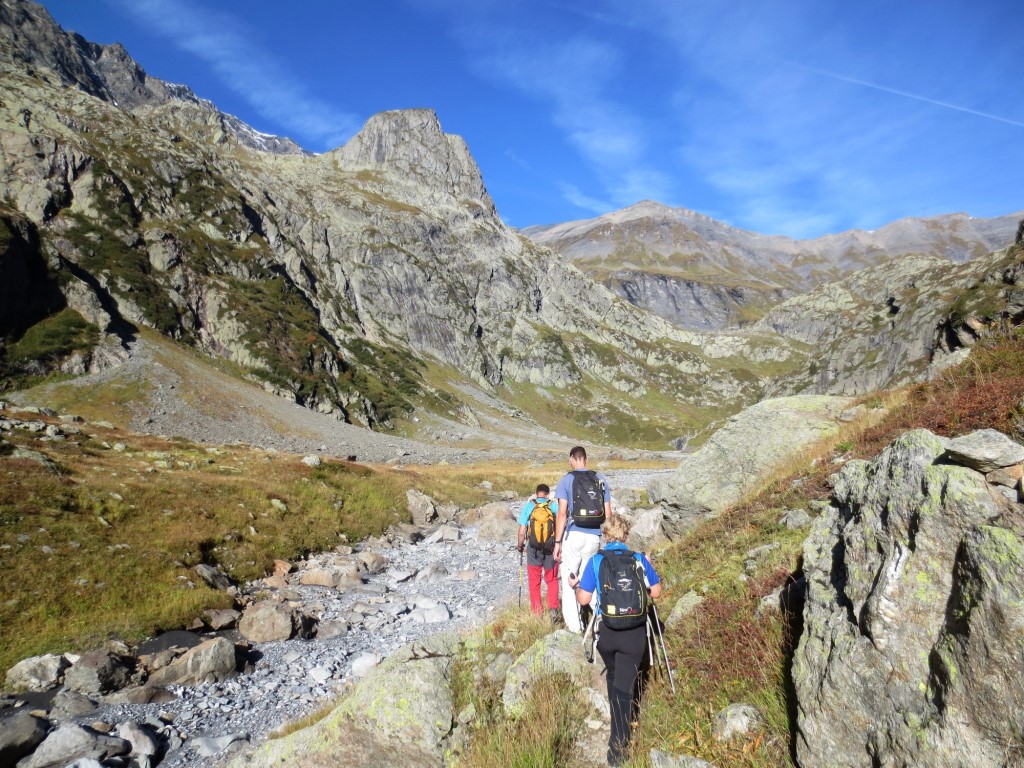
x=700 y=273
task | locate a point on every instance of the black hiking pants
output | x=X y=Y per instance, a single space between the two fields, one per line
x=623 y=654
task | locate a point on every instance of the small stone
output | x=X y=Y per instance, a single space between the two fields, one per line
x=1008 y=476
x=736 y=720
x=686 y=605
x=209 y=746
x=364 y=663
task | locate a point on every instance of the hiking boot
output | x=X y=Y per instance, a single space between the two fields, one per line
x=556 y=615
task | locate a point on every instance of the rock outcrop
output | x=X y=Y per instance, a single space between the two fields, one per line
x=912 y=640
x=737 y=457
x=896 y=323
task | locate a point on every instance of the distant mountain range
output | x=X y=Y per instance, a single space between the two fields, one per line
x=377 y=283
x=699 y=273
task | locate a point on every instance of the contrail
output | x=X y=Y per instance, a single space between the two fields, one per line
x=913 y=96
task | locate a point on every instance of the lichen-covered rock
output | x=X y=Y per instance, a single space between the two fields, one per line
x=399 y=714
x=739 y=455
x=912 y=640
x=985 y=450
x=560 y=652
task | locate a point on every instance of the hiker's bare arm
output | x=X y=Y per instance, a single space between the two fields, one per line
x=583 y=598
x=522 y=537
x=656 y=591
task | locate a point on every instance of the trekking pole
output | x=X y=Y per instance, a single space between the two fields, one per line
x=651 y=649
x=520 y=578
x=664 y=653
x=588 y=635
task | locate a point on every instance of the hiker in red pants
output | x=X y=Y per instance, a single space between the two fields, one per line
x=537 y=535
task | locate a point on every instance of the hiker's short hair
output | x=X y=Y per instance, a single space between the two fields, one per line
x=543 y=488
x=616 y=528
x=578 y=452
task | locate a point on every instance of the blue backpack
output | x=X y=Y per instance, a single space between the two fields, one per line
x=622 y=597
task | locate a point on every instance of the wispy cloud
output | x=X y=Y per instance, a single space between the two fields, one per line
x=571 y=76
x=905 y=94
x=583 y=201
x=251 y=71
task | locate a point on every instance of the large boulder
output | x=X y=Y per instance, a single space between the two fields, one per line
x=646 y=534
x=98 y=671
x=560 y=652
x=400 y=713
x=211 y=661
x=20 y=734
x=422 y=508
x=37 y=673
x=914 y=617
x=72 y=742
x=267 y=621
x=340 y=576
x=739 y=456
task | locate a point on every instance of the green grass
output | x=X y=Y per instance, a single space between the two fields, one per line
x=30 y=359
x=546 y=732
x=122 y=531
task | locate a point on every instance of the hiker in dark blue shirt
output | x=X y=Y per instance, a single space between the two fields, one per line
x=622 y=649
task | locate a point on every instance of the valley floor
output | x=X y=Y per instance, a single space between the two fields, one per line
x=163 y=390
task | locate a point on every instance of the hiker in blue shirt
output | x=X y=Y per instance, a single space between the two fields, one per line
x=622 y=650
x=584 y=503
x=539 y=558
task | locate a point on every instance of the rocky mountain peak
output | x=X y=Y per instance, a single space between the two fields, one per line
x=409 y=144
x=30 y=39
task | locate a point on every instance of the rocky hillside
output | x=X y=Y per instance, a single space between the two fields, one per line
x=375 y=283
x=912 y=642
x=699 y=273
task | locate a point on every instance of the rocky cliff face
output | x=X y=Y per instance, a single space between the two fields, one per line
x=699 y=273
x=898 y=322
x=911 y=648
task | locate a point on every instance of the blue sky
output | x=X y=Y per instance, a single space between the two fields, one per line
x=795 y=117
